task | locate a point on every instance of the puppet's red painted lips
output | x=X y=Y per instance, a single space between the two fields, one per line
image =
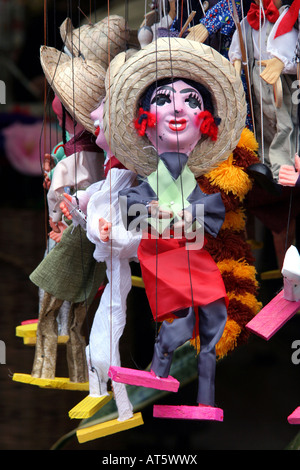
x=177 y=125
x=97 y=131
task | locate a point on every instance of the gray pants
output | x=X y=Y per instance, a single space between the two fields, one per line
x=212 y=320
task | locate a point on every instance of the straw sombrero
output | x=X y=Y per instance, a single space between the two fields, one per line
x=182 y=58
x=99 y=42
x=78 y=83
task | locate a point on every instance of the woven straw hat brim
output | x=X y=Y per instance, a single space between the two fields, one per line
x=100 y=42
x=174 y=58
x=79 y=84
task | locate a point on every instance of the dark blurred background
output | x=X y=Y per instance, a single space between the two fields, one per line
x=257 y=385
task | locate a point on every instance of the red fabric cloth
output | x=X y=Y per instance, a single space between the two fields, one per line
x=82 y=141
x=113 y=162
x=289 y=19
x=169 y=270
x=271 y=13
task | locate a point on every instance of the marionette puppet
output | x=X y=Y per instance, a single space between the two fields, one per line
x=287 y=302
x=69 y=272
x=116 y=247
x=276 y=125
x=175 y=109
x=150 y=27
x=73 y=257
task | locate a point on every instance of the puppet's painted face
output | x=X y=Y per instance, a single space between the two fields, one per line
x=176 y=107
x=97 y=117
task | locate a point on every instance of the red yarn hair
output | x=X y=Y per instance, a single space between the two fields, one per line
x=207 y=124
x=144 y=120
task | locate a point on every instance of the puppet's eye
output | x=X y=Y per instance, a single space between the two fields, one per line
x=194 y=101
x=161 y=98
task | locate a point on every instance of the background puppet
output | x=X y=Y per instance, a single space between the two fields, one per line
x=276 y=126
x=69 y=272
x=205 y=153
x=88 y=48
x=116 y=248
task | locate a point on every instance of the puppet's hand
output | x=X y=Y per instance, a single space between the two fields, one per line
x=48 y=164
x=186 y=219
x=287 y=175
x=297 y=163
x=46 y=182
x=56 y=236
x=272 y=71
x=156 y=211
x=238 y=66
x=104 y=230
x=54 y=225
x=64 y=206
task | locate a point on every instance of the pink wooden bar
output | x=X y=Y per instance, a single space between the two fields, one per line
x=273 y=316
x=142 y=378
x=208 y=413
x=294 y=418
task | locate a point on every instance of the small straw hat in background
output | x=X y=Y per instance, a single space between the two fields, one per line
x=100 y=42
x=78 y=83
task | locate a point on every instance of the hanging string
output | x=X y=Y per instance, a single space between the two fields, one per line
x=44 y=130
x=261 y=10
x=157 y=158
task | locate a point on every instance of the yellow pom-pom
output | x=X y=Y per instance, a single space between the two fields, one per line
x=228 y=340
x=234 y=220
x=248 y=140
x=239 y=268
x=230 y=178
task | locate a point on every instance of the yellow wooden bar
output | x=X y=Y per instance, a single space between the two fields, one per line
x=137 y=281
x=31 y=340
x=89 y=406
x=62 y=383
x=109 y=427
x=273 y=274
x=28 y=330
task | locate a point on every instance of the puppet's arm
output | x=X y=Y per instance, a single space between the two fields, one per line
x=281 y=49
x=219 y=18
x=78 y=171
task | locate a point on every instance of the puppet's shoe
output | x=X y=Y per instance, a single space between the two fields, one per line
x=263 y=176
x=291 y=274
x=200 y=412
x=142 y=378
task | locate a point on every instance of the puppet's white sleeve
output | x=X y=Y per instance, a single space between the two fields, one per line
x=283 y=47
x=234 y=52
x=77 y=171
x=105 y=204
